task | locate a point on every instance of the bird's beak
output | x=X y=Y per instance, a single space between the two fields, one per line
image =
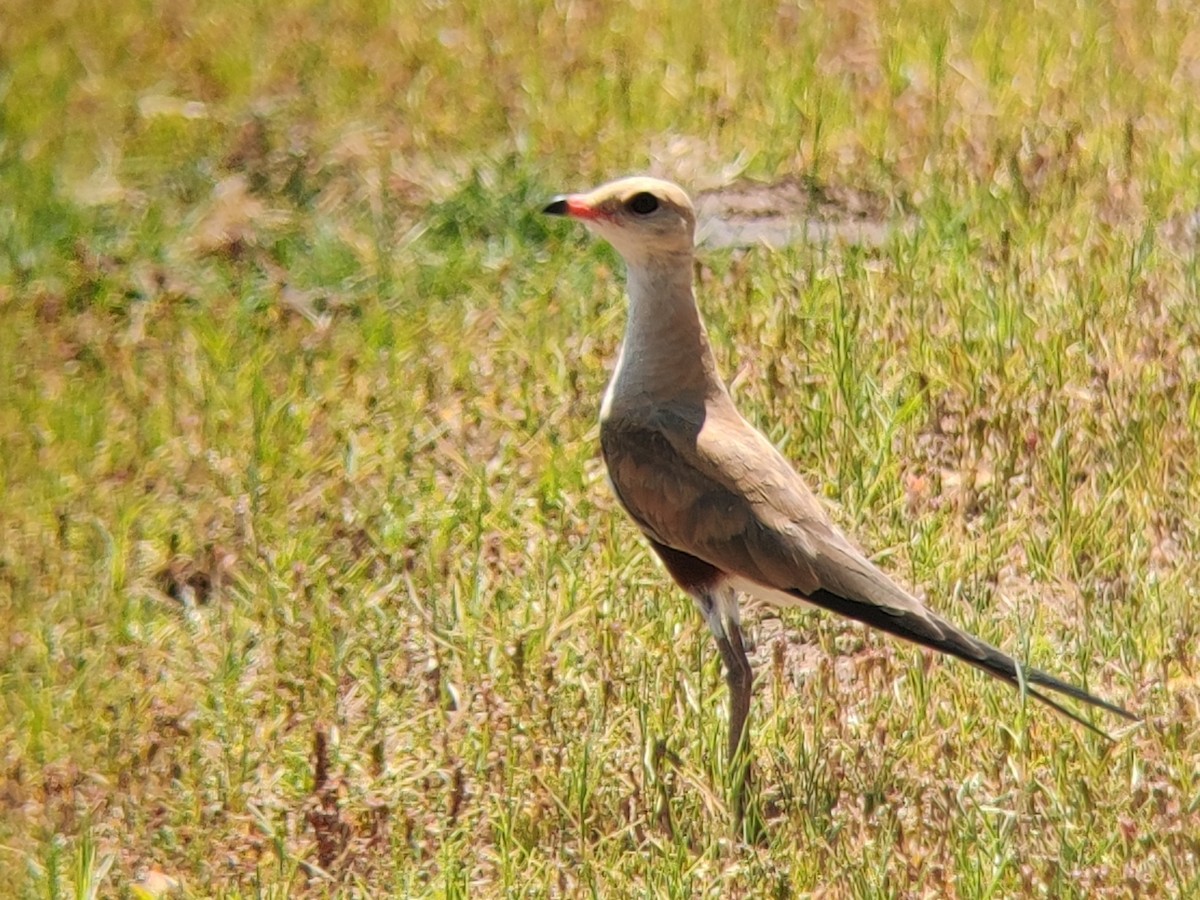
x=573 y=206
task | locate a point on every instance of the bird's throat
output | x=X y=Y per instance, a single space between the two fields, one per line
x=665 y=353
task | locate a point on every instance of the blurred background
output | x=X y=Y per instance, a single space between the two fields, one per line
x=310 y=581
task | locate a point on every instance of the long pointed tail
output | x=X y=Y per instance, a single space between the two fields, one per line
x=934 y=632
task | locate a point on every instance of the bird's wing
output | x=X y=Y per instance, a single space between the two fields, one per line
x=710 y=485
x=715 y=488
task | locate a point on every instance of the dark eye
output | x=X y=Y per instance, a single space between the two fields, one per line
x=643 y=204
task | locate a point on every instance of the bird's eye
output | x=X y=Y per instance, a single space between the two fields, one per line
x=643 y=204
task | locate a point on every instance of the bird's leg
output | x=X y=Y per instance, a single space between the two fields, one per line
x=738 y=677
x=721 y=613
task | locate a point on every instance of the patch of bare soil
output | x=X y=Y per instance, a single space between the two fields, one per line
x=1181 y=232
x=749 y=213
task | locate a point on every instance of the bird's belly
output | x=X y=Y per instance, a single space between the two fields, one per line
x=767 y=595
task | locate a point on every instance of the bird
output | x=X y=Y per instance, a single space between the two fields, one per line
x=722 y=509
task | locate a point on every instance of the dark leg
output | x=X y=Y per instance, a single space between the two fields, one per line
x=720 y=611
x=740 y=679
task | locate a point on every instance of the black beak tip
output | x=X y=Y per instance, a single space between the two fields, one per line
x=556 y=207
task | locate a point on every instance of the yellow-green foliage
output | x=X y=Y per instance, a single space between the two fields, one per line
x=310 y=581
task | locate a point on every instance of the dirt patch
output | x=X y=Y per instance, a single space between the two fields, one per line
x=749 y=213
x=1181 y=232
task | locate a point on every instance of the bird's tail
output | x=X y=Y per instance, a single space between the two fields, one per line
x=1007 y=669
x=932 y=631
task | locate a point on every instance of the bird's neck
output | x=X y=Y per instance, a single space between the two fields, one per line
x=666 y=356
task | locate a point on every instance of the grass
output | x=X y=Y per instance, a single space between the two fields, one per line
x=310 y=581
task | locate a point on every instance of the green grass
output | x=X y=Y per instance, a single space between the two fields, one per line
x=310 y=580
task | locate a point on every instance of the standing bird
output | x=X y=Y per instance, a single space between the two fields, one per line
x=723 y=510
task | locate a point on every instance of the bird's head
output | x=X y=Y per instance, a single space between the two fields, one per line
x=642 y=218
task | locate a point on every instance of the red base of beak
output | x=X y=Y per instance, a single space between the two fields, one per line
x=573 y=207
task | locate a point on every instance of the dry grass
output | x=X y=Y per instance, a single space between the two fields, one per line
x=310 y=581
